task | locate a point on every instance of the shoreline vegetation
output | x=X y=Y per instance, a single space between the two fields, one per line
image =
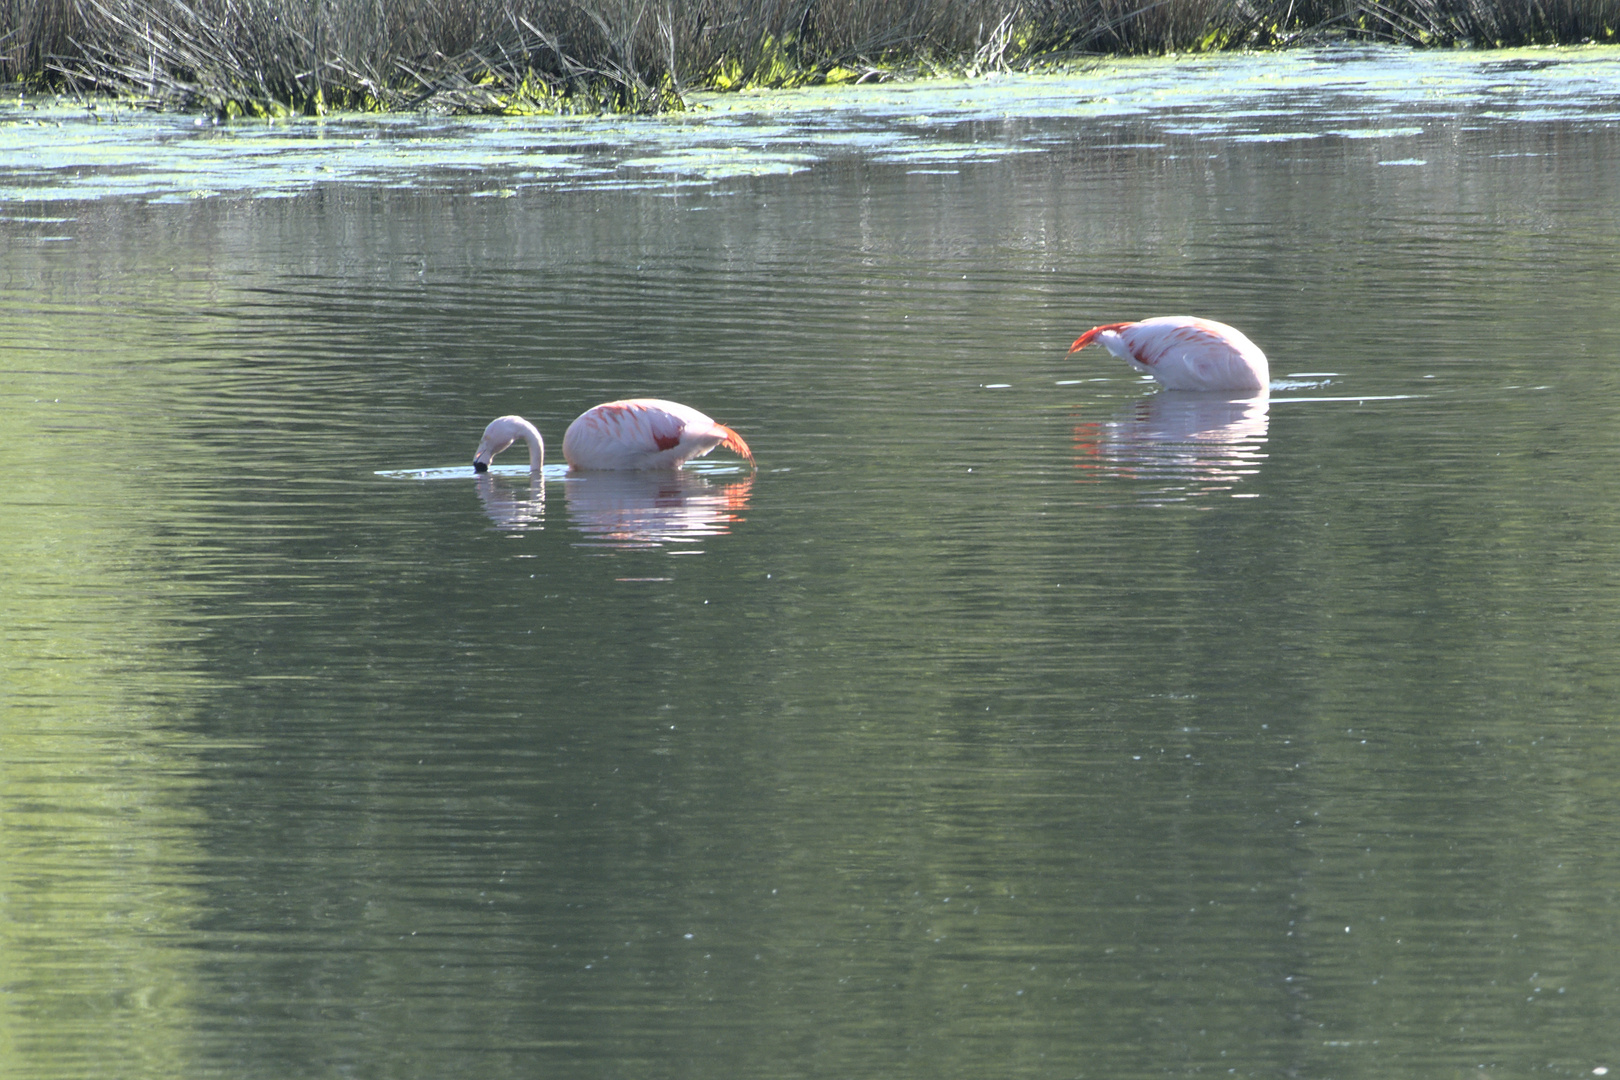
x=269 y=58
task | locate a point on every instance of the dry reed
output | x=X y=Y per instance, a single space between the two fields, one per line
x=259 y=57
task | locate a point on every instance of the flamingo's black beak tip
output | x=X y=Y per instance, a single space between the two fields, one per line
x=480 y=466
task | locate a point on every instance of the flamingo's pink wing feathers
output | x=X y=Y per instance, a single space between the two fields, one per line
x=734 y=442
x=645 y=433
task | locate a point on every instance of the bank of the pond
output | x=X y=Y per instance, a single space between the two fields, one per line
x=287 y=57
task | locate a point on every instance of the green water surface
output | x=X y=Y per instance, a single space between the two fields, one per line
x=1013 y=718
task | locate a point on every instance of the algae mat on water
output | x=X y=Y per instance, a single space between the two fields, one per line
x=60 y=151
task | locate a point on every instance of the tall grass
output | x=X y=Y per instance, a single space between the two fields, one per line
x=274 y=56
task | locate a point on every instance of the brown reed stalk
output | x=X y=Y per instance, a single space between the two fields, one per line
x=269 y=56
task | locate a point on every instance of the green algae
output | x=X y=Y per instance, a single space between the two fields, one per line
x=54 y=149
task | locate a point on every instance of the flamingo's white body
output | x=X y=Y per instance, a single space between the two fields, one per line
x=502 y=432
x=645 y=433
x=1185 y=353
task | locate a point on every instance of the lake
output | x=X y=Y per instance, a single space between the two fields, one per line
x=1012 y=718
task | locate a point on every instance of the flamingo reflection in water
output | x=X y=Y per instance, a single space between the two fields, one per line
x=1183 y=444
x=519 y=505
x=649 y=509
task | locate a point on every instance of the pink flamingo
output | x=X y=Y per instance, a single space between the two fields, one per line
x=1185 y=353
x=645 y=433
x=502 y=432
x=641 y=433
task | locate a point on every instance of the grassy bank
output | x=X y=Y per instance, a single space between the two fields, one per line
x=269 y=57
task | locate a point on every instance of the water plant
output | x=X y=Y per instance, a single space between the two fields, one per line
x=275 y=57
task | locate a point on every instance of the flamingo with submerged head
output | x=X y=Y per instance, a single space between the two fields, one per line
x=636 y=434
x=502 y=432
x=1185 y=353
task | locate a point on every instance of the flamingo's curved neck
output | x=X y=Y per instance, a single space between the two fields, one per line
x=537 y=448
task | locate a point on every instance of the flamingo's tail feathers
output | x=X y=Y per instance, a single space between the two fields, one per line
x=734 y=442
x=1086 y=338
